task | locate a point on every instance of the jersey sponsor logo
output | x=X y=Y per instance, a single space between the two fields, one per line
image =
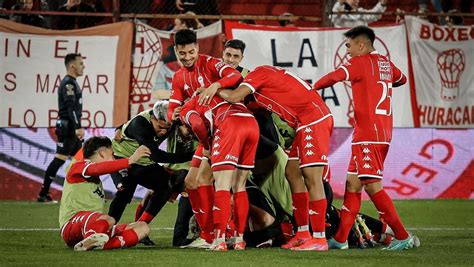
x=308 y=137
x=367 y=166
x=78 y=219
x=309 y=145
x=324 y=157
x=215 y=153
x=366 y=151
x=379 y=172
x=231 y=157
x=309 y=153
x=217 y=131
x=186 y=87
x=216 y=138
x=367 y=158
x=308 y=130
x=216 y=145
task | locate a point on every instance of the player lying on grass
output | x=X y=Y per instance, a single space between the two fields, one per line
x=84 y=225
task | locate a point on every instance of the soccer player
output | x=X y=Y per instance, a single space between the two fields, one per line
x=148 y=128
x=233 y=54
x=292 y=99
x=84 y=225
x=234 y=133
x=68 y=127
x=372 y=77
x=198 y=71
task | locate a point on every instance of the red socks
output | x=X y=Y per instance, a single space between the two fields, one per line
x=128 y=239
x=146 y=217
x=96 y=227
x=195 y=201
x=300 y=210
x=221 y=212
x=349 y=211
x=317 y=216
x=206 y=195
x=241 y=210
x=386 y=209
x=139 y=211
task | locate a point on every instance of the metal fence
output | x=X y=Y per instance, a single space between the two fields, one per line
x=168 y=14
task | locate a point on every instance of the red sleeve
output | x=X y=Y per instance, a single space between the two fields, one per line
x=330 y=79
x=256 y=79
x=191 y=117
x=199 y=129
x=230 y=77
x=104 y=167
x=398 y=79
x=177 y=97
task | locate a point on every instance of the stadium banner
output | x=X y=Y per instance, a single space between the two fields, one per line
x=32 y=67
x=154 y=62
x=312 y=52
x=444 y=73
x=430 y=164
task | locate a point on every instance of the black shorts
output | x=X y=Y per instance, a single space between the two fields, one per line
x=68 y=144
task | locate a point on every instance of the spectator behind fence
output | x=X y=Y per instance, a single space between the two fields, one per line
x=286 y=23
x=182 y=23
x=344 y=19
x=79 y=22
x=29 y=19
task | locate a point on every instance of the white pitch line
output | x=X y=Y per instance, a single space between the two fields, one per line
x=171 y=229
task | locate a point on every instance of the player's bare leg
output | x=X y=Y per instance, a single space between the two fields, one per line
x=317 y=209
x=349 y=210
x=223 y=183
x=300 y=199
x=386 y=209
x=241 y=207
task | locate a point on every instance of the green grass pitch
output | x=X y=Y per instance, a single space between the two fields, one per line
x=446 y=230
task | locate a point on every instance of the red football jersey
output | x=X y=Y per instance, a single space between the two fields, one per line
x=287 y=95
x=371 y=77
x=205 y=71
x=214 y=113
x=83 y=170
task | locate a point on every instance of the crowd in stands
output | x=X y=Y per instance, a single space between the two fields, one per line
x=342 y=14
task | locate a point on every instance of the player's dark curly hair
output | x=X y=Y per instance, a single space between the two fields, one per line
x=92 y=144
x=184 y=37
x=70 y=58
x=236 y=44
x=361 y=31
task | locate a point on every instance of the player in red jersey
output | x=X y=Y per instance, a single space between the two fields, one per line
x=198 y=71
x=372 y=77
x=291 y=98
x=84 y=224
x=235 y=134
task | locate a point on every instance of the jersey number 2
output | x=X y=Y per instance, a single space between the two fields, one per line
x=386 y=88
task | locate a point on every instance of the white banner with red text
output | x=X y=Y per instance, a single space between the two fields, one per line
x=443 y=70
x=312 y=52
x=32 y=67
x=154 y=62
